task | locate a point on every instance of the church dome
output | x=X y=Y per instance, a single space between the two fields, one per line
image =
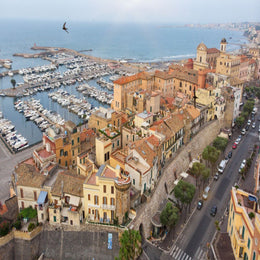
x=223 y=40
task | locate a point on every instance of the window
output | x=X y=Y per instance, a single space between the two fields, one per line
x=112 y=214
x=59 y=161
x=112 y=201
x=35 y=195
x=78 y=139
x=88 y=196
x=248 y=243
x=71 y=222
x=96 y=200
x=254 y=255
x=42 y=215
x=72 y=142
x=200 y=58
x=118 y=142
x=66 y=163
x=133 y=181
x=151 y=109
x=54 y=219
x=105 y=200
x=65 y=153
x=97 y=122
x=118 y=122
x=89 y=211
x=54 y=211
x=21 y=192
x=104 y=188
x=112 y=189
x=72 y=152
x=243 y=232
x=93 y=212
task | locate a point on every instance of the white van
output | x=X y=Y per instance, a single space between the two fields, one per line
x=206 y=193
x=222 y=166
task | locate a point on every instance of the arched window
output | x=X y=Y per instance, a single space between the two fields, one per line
x=105 y=200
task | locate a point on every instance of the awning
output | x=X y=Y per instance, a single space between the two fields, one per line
x=252 y=198
x=74 y=201
x=42 y=197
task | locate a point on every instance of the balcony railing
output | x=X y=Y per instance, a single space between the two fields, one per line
x=241 y=242
x=109 y=207
x=93 y=206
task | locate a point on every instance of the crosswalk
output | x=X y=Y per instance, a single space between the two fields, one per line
x=178 y=254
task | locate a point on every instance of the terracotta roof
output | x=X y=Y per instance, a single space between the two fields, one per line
x=119 y=155
x=44 y=153
x=175 y=123
x=212 y=50
x=194 y=112
x=109 y=173
x=125 y=80
x=92 y=179
x=144 y=151
x=72 y=184
x=153 y=140
x=86 y=133
x=252 y=61
x=28 y=175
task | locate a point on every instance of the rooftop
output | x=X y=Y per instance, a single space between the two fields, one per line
x=145 y=114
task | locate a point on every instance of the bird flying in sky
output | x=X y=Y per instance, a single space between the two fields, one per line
x=65 y=28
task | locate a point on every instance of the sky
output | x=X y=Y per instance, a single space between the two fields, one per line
x=134 y=11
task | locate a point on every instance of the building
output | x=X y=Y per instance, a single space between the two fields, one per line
x=64 y=142
x=142 y=166
x=144 y=118
x=104 y=117
x=108 y=141
x=107 y=195
x=67 y=206
x=244 y=224
x=85 y=166
x=207 y=57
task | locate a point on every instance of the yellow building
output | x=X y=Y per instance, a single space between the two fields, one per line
x=206 y=97
x=144 y=118
x=107 y=195
x=244 y=225
x=108 y=141
x=65 y=142
x=85 y=166
x=228 y=65
x=104 y=117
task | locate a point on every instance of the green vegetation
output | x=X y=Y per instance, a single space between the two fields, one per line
x=220 y=143
x=17 y=224
x=247 y=109
x=184 y=192
x=13 y=82
x=201 y=173
x=211 y=155
x=251 y=215
x=31 y=227
x=28 y=213
x=130 y=245
x=4 y=228
x=170 y=215
x=110 y=137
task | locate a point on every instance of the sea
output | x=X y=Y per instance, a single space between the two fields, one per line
x=133 y=42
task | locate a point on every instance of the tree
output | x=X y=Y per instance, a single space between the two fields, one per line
x=170 y=215
x=248 y=107
x=220 y=143
x=130 y=245
x=13 y=82
x=240 y=120
x=184 y=192
x=211 y=154
x=200 y=171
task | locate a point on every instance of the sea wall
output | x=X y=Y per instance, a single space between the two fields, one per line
x=59 y=243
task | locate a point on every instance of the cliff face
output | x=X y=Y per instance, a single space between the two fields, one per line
x=60 y=244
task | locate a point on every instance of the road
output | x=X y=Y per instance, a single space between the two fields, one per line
x=192 y=242
x=7 y=163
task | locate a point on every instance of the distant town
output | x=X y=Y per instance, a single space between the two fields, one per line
x=170 y=164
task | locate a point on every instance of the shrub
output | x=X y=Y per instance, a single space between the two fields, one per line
x=17 y=224
x=4 y=228
x=31 y=227
x=29 y=213
x=251 y=215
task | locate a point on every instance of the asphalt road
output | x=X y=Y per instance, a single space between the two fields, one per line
x=192 y=242
x=7 y=163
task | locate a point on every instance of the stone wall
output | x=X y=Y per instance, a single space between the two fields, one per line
x=179 y=164
x=59 y=243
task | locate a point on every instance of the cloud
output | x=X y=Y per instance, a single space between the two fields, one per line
x=165 y=11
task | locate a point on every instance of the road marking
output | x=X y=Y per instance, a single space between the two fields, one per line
x=199 y=253
x=178 y=254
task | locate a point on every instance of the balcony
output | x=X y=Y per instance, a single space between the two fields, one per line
x=93 y=206
x=240 y=241
x=108 y=207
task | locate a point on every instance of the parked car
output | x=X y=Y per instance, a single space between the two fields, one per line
x=200 y=204
x=248 y=122
x=253 y=125
x=242 y=165
x=216 y=176
x=230 y=154
x=206 y=193
x=234 y=146
x=243 y=132
x=213 y=211
x=247 y=127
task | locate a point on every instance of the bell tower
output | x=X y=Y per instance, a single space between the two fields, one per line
x=223 y=45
